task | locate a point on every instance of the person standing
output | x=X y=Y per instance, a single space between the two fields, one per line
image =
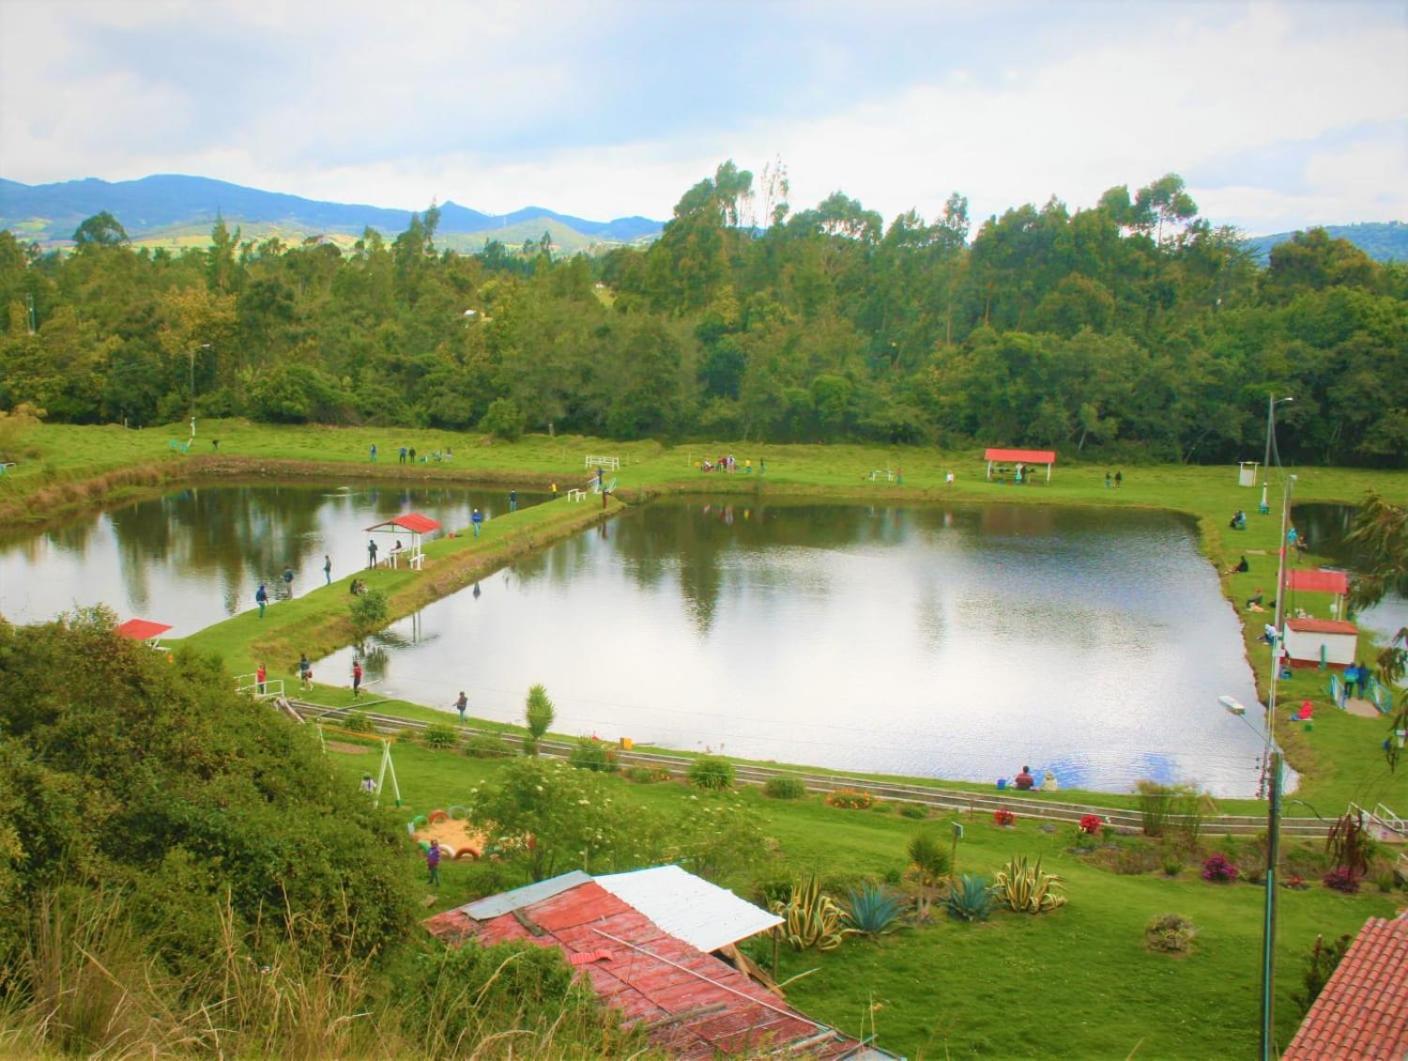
x=553 y=488
x=413 y=454
x=462 y=705
x=432 y=862
x=261 y=598
x=371 y=553
x=288 y=582
x=260 y=677
x=327 y=569
x=476 y=519
x=356 y=678
x=403 y=455
x=1119 y=479
x=373 y=452
x=1109 y=480
x=513 y=500
x=305 y=671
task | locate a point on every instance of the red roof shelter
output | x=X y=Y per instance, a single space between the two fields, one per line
x=143 y=630
x=1020 y=456
x=1321 y=581
x=1363 y=1010
x=413 y=523
x=693 y=1004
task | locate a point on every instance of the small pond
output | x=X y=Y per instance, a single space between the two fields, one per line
x=194 y=556
x=957 y=641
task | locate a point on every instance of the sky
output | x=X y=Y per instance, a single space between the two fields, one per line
x=1277 y=115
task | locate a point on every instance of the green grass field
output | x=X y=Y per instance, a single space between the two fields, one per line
x=65 y=468
x=1077 y=982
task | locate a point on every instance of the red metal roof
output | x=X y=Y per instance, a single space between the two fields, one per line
x=650 y=976
x=141 y=629
x=1318 y=581
x=1322 y=626
x=1363 y=1010
x=409 y=521
x=1027 y=456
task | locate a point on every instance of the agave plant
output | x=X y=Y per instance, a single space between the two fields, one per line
x=1026 y=889
x=811 y=918
x=872 y=910
x=970 y=899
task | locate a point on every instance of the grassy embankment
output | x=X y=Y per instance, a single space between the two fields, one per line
x=75 y=467
x=1077 y=982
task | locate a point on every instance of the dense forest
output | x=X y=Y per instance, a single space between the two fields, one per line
x=1132 y=327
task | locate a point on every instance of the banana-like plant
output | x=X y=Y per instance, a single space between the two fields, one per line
x=810 y=918
x=1026 y=889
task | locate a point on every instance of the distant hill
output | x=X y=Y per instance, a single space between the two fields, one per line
x=1384 y=241
x=176 y=210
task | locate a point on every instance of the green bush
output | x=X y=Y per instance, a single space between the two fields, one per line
x=1170 y=934
x=369 y=612
x=647 y=775
x=849 y=799
x=970 y=898
x=539 y=713
x=439 y=735
x=487 y=746
x=916 y=811
x=711 y=772
x=872 y=910
x=503 y=420
x=592 y=754
x=784 y=788
x=930 y=857
x=357 y=722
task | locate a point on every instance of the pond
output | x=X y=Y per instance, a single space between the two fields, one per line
x=1326 y=527
x=953 y=641
x=194 y=556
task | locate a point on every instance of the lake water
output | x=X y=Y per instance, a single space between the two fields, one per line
x=1325 y=527
x=957 y=641
x=196 y=555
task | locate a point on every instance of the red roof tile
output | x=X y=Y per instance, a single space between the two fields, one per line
x=1030 y=456
x=650 y=975
x=141 y=629
x=411 y=521
x=1318 y=581
x=1322 y=626
x=1363 y=1010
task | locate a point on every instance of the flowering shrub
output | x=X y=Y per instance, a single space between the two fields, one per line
x=1218 y=870
x=1342 y=879
x=1090 y=824
x=1003 y=816
x=1295 y=882
x=850 y=799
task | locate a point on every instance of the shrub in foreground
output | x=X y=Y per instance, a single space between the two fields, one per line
x=1026 y=889
x=592 y=754
x=439 y=735
x=1170 y=934
x=784 y=788
x=711 y=772
x=872 y=910
x=850 y=799
x=487 y=746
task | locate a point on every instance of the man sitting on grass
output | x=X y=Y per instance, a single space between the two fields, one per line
x=1024 y=781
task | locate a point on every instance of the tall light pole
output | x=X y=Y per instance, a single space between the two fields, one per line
x=192 y=354
x=1273 y=811
x=1271 y=402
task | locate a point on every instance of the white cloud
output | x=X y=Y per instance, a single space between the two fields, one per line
x=396 y=105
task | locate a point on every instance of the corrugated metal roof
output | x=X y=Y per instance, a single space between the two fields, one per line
x=693 y=1005
x=689 y=907
x=1322 y=626
x=507 y=902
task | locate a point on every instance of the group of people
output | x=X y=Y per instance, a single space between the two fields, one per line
x=1238 y=520
x=1356 y=679
x=261 y=594
x=1114 y=481
x=727 y=463
x=1025 y=781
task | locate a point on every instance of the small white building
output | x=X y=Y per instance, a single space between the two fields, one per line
x=1306 y=639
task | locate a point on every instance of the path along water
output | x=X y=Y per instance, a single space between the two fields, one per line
x=195 y=556
x=951 y=641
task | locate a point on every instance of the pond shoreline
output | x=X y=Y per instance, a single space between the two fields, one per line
x=1186 y=490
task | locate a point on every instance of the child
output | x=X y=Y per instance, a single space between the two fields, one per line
x=432 y=862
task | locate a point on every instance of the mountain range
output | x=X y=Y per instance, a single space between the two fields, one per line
x=173 y=210
x=177 y=210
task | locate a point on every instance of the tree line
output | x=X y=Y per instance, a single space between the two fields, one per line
x=1131 y=328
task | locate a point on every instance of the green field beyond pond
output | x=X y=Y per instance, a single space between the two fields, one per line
x=1078 y=981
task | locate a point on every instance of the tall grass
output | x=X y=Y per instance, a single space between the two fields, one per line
x=86 y=986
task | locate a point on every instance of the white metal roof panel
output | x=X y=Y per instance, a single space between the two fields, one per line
x=689 y=907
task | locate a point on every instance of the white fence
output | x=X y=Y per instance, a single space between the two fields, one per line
x=611 y=463
x=251 y=685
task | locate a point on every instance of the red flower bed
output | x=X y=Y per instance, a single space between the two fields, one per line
x=1003 y=816
x=1090 y=823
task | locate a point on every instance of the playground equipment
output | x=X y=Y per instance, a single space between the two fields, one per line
x=609 y=463
x=575 y=494
x=387 y=767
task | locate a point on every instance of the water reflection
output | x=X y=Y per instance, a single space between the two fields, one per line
x=194 y=556
x=959 y=641
x=1325 y=527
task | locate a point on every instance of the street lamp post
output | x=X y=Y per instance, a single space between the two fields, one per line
x=192 y=355
x=1271 y=402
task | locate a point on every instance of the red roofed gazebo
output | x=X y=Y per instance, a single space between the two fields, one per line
x=1363 y=1009
x=413 y=523
x=143 y=630
x=1021 y=456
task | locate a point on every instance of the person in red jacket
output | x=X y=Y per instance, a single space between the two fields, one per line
x=1024 y=781
x=356 y=678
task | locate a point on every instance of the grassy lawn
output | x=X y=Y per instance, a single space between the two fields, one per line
x=1077 y=982
x=70 y=467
